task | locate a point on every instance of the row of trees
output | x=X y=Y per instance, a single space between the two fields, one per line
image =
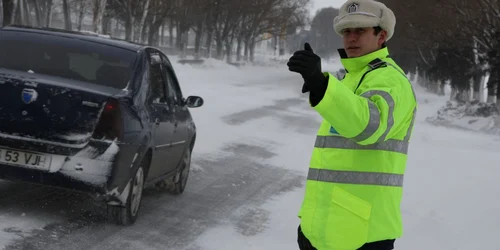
x=320 y=35
x=225 y=24
x=443 y=41
x=449 y=40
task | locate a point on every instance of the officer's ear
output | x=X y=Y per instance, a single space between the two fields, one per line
x=382 y=36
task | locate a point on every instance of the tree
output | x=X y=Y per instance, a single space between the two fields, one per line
x=323 y=36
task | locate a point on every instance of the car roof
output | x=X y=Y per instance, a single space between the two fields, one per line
x=85 y=36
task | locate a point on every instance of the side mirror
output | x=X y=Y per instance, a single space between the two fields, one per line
x=194 y=101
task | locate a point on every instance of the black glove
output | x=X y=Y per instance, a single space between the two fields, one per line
x=308 y=64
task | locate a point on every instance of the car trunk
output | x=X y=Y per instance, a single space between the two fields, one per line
x=49 y=109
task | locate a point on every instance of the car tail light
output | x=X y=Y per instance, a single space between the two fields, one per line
x=110 y=125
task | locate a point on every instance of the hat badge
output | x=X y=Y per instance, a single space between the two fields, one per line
x=352 y=8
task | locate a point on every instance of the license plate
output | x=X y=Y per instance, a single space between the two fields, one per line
x=27 y=159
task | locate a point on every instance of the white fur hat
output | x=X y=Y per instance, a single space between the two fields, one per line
x=363 y=14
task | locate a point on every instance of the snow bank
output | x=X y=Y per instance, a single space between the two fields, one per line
x=475 y=116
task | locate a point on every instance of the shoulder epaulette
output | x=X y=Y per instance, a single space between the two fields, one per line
x=377 y=63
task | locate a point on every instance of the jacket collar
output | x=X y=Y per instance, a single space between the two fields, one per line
x=357 y=64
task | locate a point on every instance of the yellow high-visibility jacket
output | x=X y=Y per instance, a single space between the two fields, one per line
x=354 y=185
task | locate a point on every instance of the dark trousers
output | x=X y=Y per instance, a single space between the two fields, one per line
x=304 y=243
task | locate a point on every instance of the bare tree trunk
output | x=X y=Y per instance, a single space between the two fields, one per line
x=470 y=90
x=38 y=13
x=497 y=86
x=228 y=52
x=1 y=13
x=481 y=88
x=197 y=40
x=143 y=19
x=154 y=29
x=67 y=16
x=252 y=52
x=116 y=29
x=171 y=34
x=129 y=27
x=228 y=41
x=493 y=84
x=178 y=37
x=219 y=47
x=239 y=48
x=21 y=12
x=99 y=8
x=453 y=94
x=82 y=14
x=7 y=9
x=441 y=88
x=106 y=25
x=162 y=34
x=246 y=55
x=48 y=18
x=26 y=13
x=185 y=39
x=143 y=36
x=15 y=6
x=208 y=42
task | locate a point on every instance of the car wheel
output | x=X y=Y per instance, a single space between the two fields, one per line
x=177 y=184
x=182 y=175
x=127 y=215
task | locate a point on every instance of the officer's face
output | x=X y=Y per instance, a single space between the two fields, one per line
x=362 y=41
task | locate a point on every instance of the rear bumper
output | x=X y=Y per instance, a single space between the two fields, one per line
x=58 y=179
x=97 y=169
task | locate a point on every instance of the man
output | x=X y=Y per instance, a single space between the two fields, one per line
x=354 y=185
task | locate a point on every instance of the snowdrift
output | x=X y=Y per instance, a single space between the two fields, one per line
x=475 y=116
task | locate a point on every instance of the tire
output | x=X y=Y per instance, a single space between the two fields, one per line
x=127 y=215
x=178 y=183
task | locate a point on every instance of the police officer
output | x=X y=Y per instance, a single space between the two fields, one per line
x=354 y=185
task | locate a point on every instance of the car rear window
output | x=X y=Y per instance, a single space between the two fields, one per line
x=66 y=57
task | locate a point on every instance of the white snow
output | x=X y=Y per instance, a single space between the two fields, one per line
x=110 y=153
x=84 y=167
x=474 y=116
x=75 y=137
x=15 y=225
x=36 y=140
x=122 y=197
x=450 y=184
x=31 y=84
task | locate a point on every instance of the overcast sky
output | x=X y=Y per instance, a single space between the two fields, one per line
x=319 y=4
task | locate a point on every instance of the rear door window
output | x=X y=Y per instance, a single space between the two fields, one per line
x=173 y=89
x=157 y=81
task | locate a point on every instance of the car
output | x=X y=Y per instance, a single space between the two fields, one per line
x=91 y=114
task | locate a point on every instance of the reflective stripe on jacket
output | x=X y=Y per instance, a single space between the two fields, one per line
x=354 y=186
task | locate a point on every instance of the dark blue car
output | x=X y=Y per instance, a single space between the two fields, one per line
x=91 y=114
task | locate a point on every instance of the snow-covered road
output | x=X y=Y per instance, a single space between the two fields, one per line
x=255 y=136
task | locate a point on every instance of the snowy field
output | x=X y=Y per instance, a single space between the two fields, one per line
x=255 y=136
